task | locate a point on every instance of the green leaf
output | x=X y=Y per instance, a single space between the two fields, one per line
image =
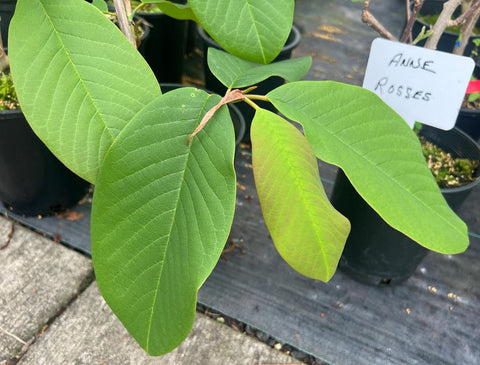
x=162 y=212
x=177 y=11
x=234 y=72
x=255 y=30
x=306 y=230
x=101 y=5
x=78 y=79
x=353 y=128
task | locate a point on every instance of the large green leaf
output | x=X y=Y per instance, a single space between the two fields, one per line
x=255 y=30
x=352 y=128
x=78 y=79
x=306 y=230
x=162 y=212
x=177 y=11
x=234 y=72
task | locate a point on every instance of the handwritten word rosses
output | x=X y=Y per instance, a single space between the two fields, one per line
x=420 y=84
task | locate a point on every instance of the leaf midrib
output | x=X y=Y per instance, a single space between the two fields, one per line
x=160 y=275
x=70 y=60
x=370 y=163
x=249 y=9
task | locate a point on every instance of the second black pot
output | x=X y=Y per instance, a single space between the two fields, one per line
x=376 y=253
x=32 y=180
x=164 y=48
x=468 y=120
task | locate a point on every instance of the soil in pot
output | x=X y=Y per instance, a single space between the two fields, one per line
x=377 y=254
x=460 y=146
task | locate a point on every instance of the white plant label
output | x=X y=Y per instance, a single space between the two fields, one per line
x=420 y=84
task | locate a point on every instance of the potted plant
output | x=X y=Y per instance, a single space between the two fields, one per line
x=162 y=164
x=451 y=41
x=33 y=181
x=375 y=253
x=164 y=49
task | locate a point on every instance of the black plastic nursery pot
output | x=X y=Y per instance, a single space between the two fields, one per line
x=448 y=39
x=211 y=82
x=32 y=180
x=7 y=8
x=376 y=253
x=468 y=120
x=459 y=144
x=237 y=117
x=165 y=48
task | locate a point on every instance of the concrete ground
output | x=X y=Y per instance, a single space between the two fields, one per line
x=51 y=312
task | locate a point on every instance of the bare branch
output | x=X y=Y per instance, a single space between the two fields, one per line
x=441 y=23
x=465 y=16
x=407 y=32
x=229 y=97
x=123 y=21
x=373 y=23
x=466 y=31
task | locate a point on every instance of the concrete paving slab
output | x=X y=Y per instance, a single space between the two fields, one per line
x=89 y=333
x=38 y=278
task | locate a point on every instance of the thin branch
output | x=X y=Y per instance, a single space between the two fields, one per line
x=461 y=19
x=373 y=23
x=441 y=23
x=123 y=21
x=13 y=336
x=466 y=32
x=229 y=97
x=407 y=17
x=407 y=32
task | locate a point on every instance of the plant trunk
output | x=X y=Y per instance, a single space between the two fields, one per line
x=440 y=25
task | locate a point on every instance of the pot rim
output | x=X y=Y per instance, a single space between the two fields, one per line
x=475 y=145
x=449 y=32
x=288 y=47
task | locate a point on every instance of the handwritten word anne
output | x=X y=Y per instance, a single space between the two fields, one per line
x=399 y=60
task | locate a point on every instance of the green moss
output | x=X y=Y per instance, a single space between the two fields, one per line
x=448 y=171
x=8 y=95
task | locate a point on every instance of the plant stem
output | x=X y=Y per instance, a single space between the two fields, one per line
x=251 y=103
x=120 y=9
x=372 y=22
x=411 y=17
x=257 y=97
x=441 y=23
x=467 y=28
x=462 y=18
x=229 y=97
